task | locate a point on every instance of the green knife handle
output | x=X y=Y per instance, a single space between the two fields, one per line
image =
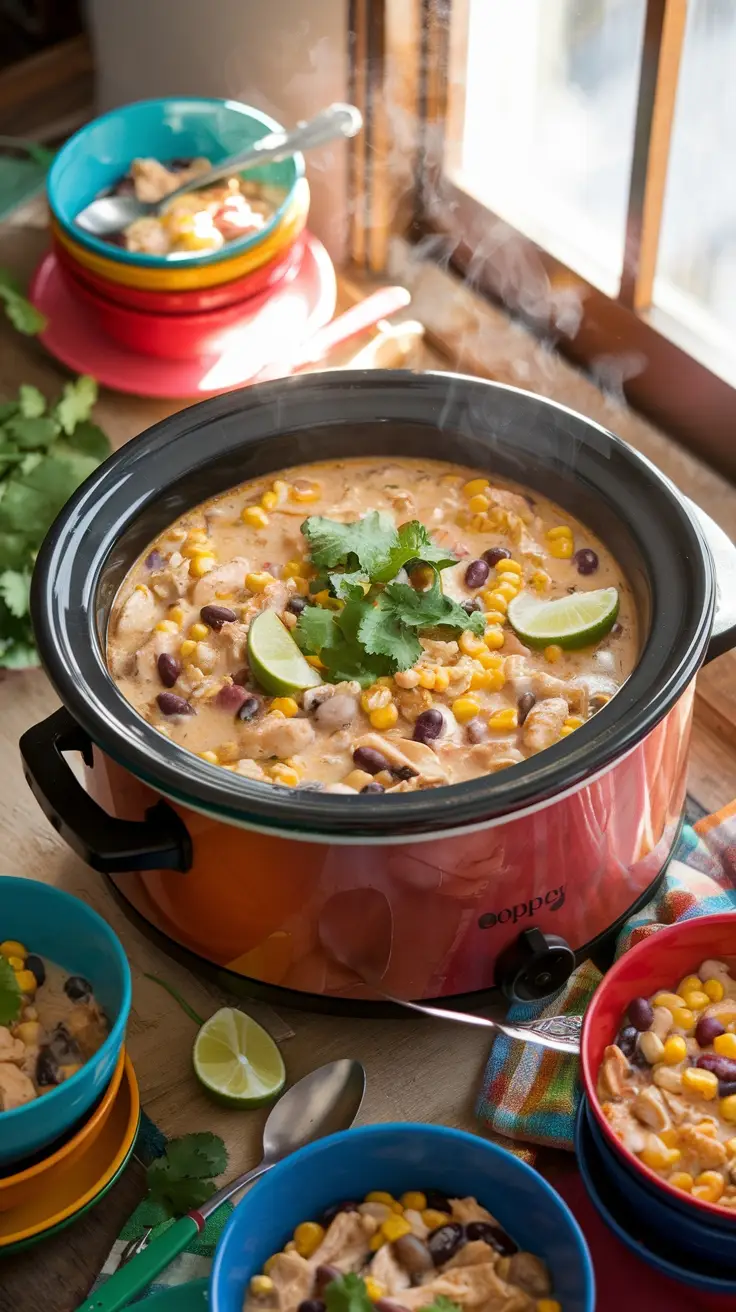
x=132 y=1278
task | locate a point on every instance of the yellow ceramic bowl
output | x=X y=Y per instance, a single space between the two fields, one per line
x=21 y=1186
x=76 y=1189
x=205 y=275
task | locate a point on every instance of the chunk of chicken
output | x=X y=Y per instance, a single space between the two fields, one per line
x=471 y=1254
x=292 y=1278
x=543 y=723
x=529 y=1271
x=16 y=1088
x=139 y=612
x=276 y=736
x=10 y=1049
x=228 y=577
x=469 y=1287
x=403 y=753
x=548 y=685
x=171 y=582
x=345 y=1245
x=152 y=180
x=469 y=1209
x=496 y=755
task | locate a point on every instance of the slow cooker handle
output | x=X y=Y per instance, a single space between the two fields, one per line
x=723 y=551
x=108 y=844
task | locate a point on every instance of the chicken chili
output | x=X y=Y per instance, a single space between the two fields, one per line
x=422 y=1251
x=368 y=626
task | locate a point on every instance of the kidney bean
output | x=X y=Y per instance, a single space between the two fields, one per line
x=494 y=554
x=476 y=730
x=640 y=1013
x=436 y=1201
x=155 y=560
x=169 y=669
x=373 y=787
x=311 y=1305
x=626 y=1040
x=37 y=968
x=524 y=705
x=401 y=772
x=250 y=707
x=477 y=573
x=324 y=1275
x=170 y=704
x=724 y=1068
x=215 y=616
x=242 y=677
x=428 y=726
x=493 y=1235
x=708 y=1029
x=413 y=1254
x=726 y=1088
x=296 y=604
x=231 y=698
x=471 y=606
x=444 y=1242
x=367 y=758
x=586 y=560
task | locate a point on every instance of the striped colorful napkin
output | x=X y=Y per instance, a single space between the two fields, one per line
x=532 y=1095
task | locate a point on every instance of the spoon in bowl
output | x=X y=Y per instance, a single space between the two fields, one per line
x=110 y=214
x=356 y=930
x=323 y=1102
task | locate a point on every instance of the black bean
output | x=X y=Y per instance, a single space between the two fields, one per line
x=155 y=560
x=724 y=1068
x=329 y=1215
x=726 y=1088
x=311 y=1305
x=428 y=726
x=476 y=730
x=37 y=968
x=250 y=707
x=640 y=1013
x=231 y=697
x=402 y=772
x=436 y=1201
x=524 y=705
x=170 y=704
x=77 y=988
x=708 y=1029
x=325 y=1274
x=493 y=1235
x=477 y=573
x=413 y=1254
x=494 y=554
x=373 y=787
x=169 y=669
x=367 y=758
x=473 y=605
x=47 y=1069
x=637 y=1058
x=586 y=560
x=444 y=1242
x=215 y=616
x=626 y=1040
x=296 y=604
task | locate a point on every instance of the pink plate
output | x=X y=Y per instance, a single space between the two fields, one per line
x=272 y=333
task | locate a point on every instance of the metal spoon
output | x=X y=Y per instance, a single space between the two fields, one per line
x=110 y=214
x=321 y=1103
x=356 y=929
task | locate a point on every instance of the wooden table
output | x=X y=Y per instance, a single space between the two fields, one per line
x=416 y=1070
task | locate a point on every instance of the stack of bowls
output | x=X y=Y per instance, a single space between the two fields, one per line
x=680 y=1235
x=60 y=1153
x=177 y=306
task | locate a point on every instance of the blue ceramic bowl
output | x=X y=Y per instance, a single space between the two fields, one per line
x=397 y=1158
x=67 y=931
x=178 y=127
x=681 y=1225
x=708 y=1274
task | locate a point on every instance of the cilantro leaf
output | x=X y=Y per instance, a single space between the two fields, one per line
x=90 y=440
x=23 y=316
x=431 y=608
x=177 y=1196
x=349 y=587
x=30 y=433
x=347 y=1294
x=197 y=1156
x=10 y=997
x=367 y=541
x=152 y=1211
x=441 y=1304
x=315 y=629
x=15 y=590
x=76 y=402
x=414 y=544
x=32 y=402
x=383 y=633
x=182 y=1178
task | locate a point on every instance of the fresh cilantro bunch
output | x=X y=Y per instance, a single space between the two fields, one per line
x=10 y=997
x=183 y=1178
x=349 y=1294
x=376 y=631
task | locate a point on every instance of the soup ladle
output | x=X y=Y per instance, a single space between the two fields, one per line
x=356 y=930
x=323 y=1102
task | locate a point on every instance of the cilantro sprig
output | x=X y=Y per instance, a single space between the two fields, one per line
x=10 y=996
x=349 y=1294
x=183 y=1178
x=376 y=631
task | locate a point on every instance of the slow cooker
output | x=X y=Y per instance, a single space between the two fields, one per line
x=501 y=882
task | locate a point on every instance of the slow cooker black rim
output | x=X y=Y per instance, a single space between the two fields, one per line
x=66 y=582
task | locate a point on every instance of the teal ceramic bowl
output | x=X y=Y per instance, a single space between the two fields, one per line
x=101 y=152
x=65 y=930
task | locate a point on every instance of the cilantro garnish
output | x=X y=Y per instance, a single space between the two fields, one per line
x=376 y=632
x=45 y=453
x=183 y=1178
x=441 y=1304
x=10 y=997
x=347 y=1294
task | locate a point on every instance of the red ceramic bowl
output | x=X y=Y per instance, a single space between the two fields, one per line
x=284 y=265
x=658 y=962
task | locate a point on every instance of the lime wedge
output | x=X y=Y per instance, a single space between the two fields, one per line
x=237 y=1061
x=274 y=658
x=572 y=621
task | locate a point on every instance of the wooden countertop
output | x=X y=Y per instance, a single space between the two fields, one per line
x=416 y=1070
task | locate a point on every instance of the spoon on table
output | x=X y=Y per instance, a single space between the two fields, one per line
x=110 y=214
x=323 y=1102
x=356 y=929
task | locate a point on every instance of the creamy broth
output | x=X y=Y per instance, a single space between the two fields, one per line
x=500 y=700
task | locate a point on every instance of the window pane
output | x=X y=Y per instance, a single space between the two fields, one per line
x=550 y=103
x=696 y=270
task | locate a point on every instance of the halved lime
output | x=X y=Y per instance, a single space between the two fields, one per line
x=237 y=1061
x=274 y=658
x=573 y=621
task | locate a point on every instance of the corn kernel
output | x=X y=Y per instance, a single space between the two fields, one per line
x=469 y=643
x=193 y=549
x=374 y=1289
x=395 y=1227
x=494 y=638
x=494 y=617
x=307 y=1237
x=261 y=1285
x=269 y=501
x=414 y=1202
x=730 y=1146
x=697 y=1000
x=703 y=1083
x=270 y=1263
x=441 y=680
x=574 y=722
x=29 y=1032
x=561 y=549
x=465 y=708
x=384 y=717
x=285 y=774
x=433 y=1219
x=176 y=613
x=725 y=1045
x=188 y=647
x=377 y=1241
x=254 y=517
x=12 y=948
x=208 y=756
x=668 y=1000
x=683 y=1018
x=507 y=589
x=315 y=662
x=490 y=660
x=380 y=1196
x=201 y=566
x=669 y=1136
x=294 y=569
x=490 y=680
x=258 y=582
x=658 y=1155
x=561 y=531
x=495 y=600
x=675 y=1050
x=508 y=567
x=474 y=486
x=321 y=598
x=167 y=626
x=302 y=586
x=427 y=678
x=688 y=984
x=199 y=632
x=281 y=488
x=286 y=705
x=27 y=983
x=714 y=990
x=478 y=504
x=552 y=653
x=548 y=1305
x=503 y=721
x=305 y=491
x=708 y=1127
x=17 y=963
x=681 y=1180
x=541 y=580
x=709 y=1186
x=727 y=1108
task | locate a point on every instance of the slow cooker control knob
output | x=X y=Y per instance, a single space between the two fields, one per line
x=534 y=967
